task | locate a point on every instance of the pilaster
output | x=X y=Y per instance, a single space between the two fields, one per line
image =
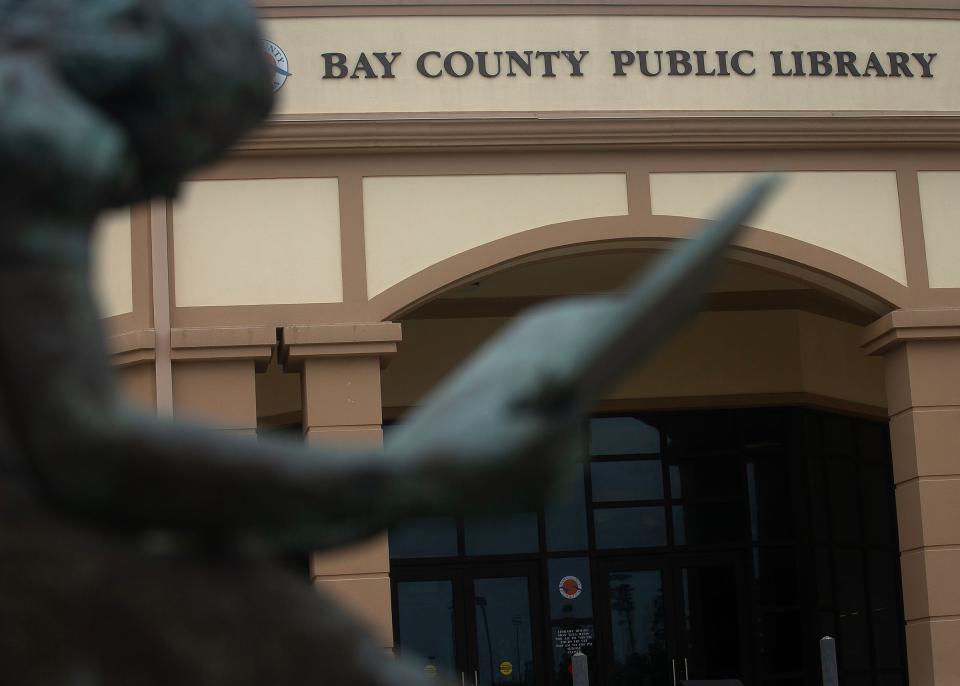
x=921 y=350
x=340 y=371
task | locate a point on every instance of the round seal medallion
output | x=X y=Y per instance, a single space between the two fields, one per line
x=277 y=59
x=570 y=587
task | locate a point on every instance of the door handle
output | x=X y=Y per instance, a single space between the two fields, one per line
x=673 y=670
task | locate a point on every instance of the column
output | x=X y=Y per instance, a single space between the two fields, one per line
x=340 y=371
x=213 y=374
x=921 y=350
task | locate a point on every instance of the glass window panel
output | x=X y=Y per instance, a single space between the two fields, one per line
x=838 y=435
x=878 y=504
x=824 y=571
x=891 y=680
x=710 y=617
x=565 y=516
x=427 y=537
x=844 y=506
x=776 y=576
x=853 y=640
x=817 y=493
x=781 y=643
x=707 y=524
x=426 y=628
x=623 y=436
x=637 y=629
x=766 y=428
x=509 y=534
x=630 y=527
x=567 y=640
x=885 y=609
x=706 y=479
x=849 y=580
x=626 y=480
x=504 y=633
x=872 y=441
x=571 y=594
x=692 y=433
x=771 y=504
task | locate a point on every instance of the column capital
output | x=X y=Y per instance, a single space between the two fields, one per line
x=903 y=326
x=374 y=339
x=132 y=347
x=223 y=343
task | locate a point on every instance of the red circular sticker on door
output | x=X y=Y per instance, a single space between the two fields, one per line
x=570 y=587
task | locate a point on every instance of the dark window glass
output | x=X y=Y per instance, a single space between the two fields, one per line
x=565 y=517
x=694 y=433
x=710 y=612
x=828 y=624
x=824 y=570
x=708 y=524
x=819 y=509
x=853 y=640
x=891 y=680
x=428 y=537
x=775 y=572
x=623 y=436
x=571 y=594
x=877 y=491
x=426 y=629
x=630 y=527
x=885 y=611
x=714 y=478
x=626 y=480
x=765 y=429
x=781 y=644
x=504 y=631
x=872 y=441
x=771 y=504
x=844 y=508
x=501 y=534
x=849 y=580
x=637 y=629
x=838 y=436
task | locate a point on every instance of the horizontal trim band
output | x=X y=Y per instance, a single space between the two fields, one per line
x=531 y=131
x=807 y=8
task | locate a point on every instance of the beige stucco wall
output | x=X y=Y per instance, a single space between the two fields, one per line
x=411 y=223
x=717 y=354
x=257 y=242
x=940 y=202
x=854 y=214
x=305 y=40
x=113 y=263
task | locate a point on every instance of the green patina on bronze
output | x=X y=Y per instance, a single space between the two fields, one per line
x=108 y=102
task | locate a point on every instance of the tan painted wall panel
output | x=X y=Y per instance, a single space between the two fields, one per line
x=257 y=242
x=855 y=214
x=113 y=263
x=940 y=203
x=718 y=353
x=305 y=40
x=414 y=222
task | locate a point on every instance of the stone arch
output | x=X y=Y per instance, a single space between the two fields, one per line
x=843 y=277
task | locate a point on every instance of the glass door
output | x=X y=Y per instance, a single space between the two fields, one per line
x=504 y=626
x=477 y=625
x=673 y=619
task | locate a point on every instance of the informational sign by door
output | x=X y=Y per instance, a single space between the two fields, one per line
x=572 y=639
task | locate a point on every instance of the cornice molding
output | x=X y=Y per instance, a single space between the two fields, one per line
x=393 y=133
x=372 y=339
x=132 y=347
x=223 y=343
x=926 y=9
x=903 y=326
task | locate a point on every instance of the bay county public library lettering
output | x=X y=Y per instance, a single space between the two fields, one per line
x=788 y=467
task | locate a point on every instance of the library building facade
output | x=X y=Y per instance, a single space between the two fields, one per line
x=786 y=468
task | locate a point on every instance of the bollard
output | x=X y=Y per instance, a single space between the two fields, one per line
x=580 y=675
x=828 y=661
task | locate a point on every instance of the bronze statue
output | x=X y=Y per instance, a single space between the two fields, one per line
x=134 y=551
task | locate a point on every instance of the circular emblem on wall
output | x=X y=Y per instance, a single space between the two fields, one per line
x=277 y=59
x=570 y=587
